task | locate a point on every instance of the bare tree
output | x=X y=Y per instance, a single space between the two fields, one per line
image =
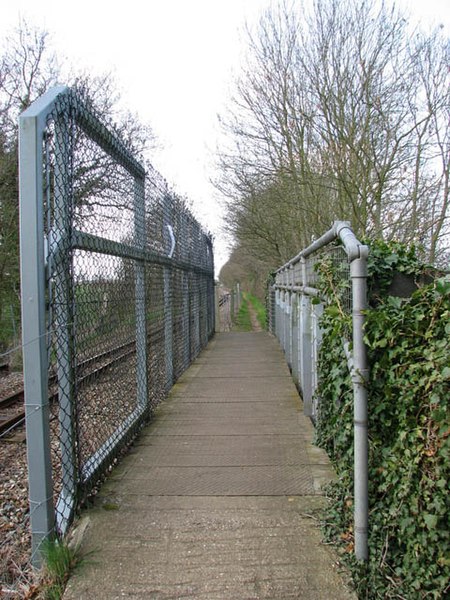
x=28 y=68
x=343 y=112
x=431 y=200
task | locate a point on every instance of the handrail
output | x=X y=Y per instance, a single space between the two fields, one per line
x=286 y=284
x=340 y=229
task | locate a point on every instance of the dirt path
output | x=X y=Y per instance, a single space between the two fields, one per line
x=253 y=318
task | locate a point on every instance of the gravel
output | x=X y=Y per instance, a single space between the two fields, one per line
x=103 y=404
x=14 y=531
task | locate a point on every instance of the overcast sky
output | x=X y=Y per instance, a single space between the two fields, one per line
x=174 y=62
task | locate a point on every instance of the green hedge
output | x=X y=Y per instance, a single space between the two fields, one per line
x=409 y=390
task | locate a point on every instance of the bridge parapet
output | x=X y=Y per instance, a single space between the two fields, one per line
x=295 y=307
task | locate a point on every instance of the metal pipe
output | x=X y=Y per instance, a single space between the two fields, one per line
x=351 y=243
x=325 y=239
x=303 y=289
x=357 y=254
x=341 y=230
x=358 y=273
x=34 y=329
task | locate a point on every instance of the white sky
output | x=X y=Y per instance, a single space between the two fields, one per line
x=174 y=62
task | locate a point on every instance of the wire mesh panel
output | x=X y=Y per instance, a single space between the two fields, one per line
x=126 y=299
x=295 y=318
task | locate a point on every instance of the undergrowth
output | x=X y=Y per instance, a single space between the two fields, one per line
x=408 y=350
x=259 y=309
x=60 y=560
x=242 y=321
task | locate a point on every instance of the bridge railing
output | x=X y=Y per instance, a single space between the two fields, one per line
x=228 y=303
x=117 y=300
x=295 y=307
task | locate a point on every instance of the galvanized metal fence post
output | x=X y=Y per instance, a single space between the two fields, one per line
x=358 y=271
x=196 y=291
x=216 y=308
x=295 y=340
x=305 y=354
x=140 y=296
x=278 y=310
x=211 y=289
x=168 y=301
x=288 y=328
x=34 y=327
x=316 y=331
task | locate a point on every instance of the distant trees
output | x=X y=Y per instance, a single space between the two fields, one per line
x=341 y=113
x=26 y=71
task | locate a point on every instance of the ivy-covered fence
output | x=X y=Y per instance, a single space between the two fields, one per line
x=407 y=334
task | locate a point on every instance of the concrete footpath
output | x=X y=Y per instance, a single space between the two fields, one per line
x=216 y=499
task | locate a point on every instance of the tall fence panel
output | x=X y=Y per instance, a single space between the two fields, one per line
x=117 y=299
x=295 y=307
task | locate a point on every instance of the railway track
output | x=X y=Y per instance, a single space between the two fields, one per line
x=12 y=411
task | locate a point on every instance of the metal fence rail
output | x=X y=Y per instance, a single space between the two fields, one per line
x=117 y=299
x=295 y=320
x=228 y=303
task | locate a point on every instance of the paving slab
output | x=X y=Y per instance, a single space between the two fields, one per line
x=217 y=499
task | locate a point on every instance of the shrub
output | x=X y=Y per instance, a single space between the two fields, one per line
x=409 y=390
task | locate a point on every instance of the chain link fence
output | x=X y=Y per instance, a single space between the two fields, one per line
x=117 y=299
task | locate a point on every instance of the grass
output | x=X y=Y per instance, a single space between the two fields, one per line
x=259 y=309
x=242 y=321
x=60 y=560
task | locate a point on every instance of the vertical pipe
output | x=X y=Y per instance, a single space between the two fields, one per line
x=305 y=354
x=291 y=316
x=238 y=296
x=35 y=362
x=281 y=333
x=288 y=328
x=295 y=348
x=216 y=307
x=317 y=310
x=276 y=317
x=233 y=304
x=358 y=272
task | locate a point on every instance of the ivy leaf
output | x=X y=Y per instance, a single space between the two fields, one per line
x=430 y=521
x=333 y=311
x=443 y=286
